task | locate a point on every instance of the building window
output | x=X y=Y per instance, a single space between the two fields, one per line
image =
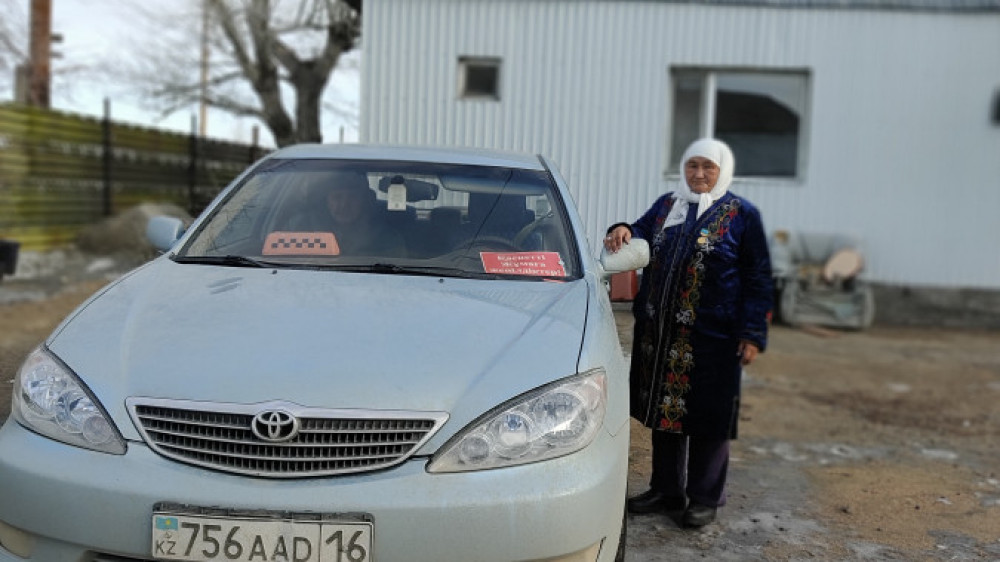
x=760 y=115
x=479 y=78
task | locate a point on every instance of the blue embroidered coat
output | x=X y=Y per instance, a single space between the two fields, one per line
x=708 y=285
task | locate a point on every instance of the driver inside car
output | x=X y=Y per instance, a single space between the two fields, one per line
x=348 y=208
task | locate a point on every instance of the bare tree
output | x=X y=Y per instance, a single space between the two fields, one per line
x=260 y=52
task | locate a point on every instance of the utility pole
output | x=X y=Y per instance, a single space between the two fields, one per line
x=202 y=110
x=39 y=70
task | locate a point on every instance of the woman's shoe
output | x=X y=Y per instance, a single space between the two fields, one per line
x=698 y=515
x=652 y=501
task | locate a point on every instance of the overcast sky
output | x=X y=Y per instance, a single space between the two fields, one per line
x=97 y=32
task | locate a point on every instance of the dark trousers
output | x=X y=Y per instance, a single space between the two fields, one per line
x=690 y=466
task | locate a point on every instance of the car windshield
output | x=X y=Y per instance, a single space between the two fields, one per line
x=391 y=217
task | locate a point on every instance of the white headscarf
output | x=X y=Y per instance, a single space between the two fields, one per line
x=716 y=151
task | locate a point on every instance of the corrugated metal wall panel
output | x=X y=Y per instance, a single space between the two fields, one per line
x=897 y=99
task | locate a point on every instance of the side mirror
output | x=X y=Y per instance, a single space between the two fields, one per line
x=162 y=232
x=631 y=256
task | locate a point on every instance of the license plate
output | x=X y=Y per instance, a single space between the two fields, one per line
x=201 y=537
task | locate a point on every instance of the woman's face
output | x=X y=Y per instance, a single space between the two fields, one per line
x=701 y=173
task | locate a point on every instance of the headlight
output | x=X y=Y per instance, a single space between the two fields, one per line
x=545 y=423
x=50 y=400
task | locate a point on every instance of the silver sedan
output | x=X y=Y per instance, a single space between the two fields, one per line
x=356 y=353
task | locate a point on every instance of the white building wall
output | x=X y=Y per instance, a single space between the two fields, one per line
x=900 y=149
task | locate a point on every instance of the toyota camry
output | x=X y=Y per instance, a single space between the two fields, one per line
x=355 y=353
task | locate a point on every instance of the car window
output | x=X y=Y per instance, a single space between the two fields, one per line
x=475 y=221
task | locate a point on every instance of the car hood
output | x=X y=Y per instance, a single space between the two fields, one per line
x=322 y=339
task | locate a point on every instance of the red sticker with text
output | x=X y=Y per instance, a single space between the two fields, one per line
x=539 y=264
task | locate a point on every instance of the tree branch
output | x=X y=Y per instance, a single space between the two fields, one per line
x=192 y=90
x=286 y=56
x=228 y=24
x=234 y=106
x=344 y=29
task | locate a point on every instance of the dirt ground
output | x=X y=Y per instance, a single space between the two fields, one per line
x=874 y=445
x=882 y=444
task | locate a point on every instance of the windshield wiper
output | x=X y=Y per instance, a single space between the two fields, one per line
x=429 y=270
x=230 y=260
x=395 y=269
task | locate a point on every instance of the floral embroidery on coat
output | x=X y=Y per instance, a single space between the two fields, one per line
x=680 y=358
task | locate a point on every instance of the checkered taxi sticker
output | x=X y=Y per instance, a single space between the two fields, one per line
x=301 y=244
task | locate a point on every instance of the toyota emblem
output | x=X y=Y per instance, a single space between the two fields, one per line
x=275 y=426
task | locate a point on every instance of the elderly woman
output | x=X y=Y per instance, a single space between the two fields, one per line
x=701 y=313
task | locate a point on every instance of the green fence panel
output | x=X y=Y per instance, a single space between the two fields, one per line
x=60 y=172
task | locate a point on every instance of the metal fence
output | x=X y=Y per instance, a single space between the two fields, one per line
x=60 y=172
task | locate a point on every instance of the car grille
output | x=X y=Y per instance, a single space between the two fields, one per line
x=226 y=437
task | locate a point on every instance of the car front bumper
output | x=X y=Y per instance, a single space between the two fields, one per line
x=69 y=503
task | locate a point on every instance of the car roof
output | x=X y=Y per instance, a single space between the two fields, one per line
x=414 y=153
